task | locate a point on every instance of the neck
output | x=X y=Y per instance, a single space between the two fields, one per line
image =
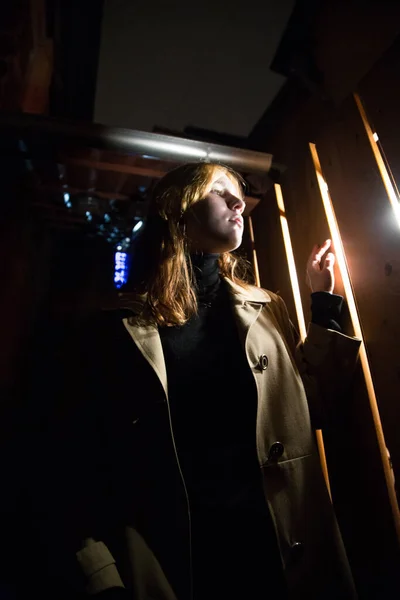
x=205 y=271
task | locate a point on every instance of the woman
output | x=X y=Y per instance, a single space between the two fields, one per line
x=186 y=465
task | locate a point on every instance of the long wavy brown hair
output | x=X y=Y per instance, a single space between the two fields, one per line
x=163 y=278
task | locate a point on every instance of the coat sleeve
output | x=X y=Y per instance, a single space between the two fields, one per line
x=326 y=361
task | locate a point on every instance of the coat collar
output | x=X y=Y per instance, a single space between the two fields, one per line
x=247 y=303
x=240 y=295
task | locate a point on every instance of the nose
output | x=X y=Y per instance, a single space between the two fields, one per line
x=236 y=204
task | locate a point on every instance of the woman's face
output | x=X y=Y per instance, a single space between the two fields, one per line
x=214 y=224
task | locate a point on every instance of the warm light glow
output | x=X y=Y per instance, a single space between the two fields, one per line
x=322 y=458
x=299 y=310
x=291 y=264
x=342 y=264
x=255 y=261
x=387 y=181
x=279 y=198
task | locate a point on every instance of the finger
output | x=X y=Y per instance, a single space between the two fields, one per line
x=317 y=252
x=325 y=246
x=330 y=260
x=311 y=258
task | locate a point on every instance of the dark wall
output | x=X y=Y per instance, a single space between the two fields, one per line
x=76 y=31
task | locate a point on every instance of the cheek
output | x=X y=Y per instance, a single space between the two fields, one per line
x=206 y=214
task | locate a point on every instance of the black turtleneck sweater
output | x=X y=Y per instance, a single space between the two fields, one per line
x=212 y=394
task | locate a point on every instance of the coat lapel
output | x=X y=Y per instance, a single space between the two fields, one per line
x=247 y=305
x=148 y=341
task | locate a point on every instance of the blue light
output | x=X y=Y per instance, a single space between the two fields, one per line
x=107 y=218
x=121 y=269
x=137 y=226
x=89 y=215
x=66 y=198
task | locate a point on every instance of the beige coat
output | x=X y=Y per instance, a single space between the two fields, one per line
x=312 y=552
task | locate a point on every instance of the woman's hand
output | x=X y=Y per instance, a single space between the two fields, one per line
x=320 y=273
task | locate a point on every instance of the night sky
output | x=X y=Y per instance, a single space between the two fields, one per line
x=174 y=64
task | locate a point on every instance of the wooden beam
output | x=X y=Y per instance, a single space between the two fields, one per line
x=116 y=168
x=251 y=202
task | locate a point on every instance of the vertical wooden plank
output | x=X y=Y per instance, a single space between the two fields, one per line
x=372 y=244
x=246 y=248
x=254 y=252
x=274 y=274
x=306 y=219
x=381 y=100
x=370 y=236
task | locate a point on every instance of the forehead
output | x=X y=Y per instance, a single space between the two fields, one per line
x=226 y=180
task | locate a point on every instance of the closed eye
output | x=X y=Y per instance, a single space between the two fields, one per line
x=223 y=192
x=218 y=191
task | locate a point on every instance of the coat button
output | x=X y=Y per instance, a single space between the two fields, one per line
x=276 y=451
x=263 y=362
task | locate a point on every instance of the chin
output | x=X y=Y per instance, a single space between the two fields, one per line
x=223 y=245
x=231 y=247
x=235 y=245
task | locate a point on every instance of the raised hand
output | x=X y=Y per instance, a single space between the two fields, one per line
x=320 y=269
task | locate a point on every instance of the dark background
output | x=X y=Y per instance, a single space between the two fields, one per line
x=181 y=63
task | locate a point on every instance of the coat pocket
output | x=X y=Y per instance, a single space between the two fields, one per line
x=312 y=550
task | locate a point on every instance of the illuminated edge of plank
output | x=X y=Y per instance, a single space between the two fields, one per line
x=373 y=139
x=291 y=263
x=254 y=252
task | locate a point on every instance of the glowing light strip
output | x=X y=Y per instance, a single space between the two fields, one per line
x=255 y=261
x=373 y=139
x=299 y=312
x=342 y=264
x=322 y=459
x=291 y=264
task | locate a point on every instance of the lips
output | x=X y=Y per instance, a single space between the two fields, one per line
x=237 y=220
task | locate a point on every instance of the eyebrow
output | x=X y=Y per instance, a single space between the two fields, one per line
x=223 y=181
